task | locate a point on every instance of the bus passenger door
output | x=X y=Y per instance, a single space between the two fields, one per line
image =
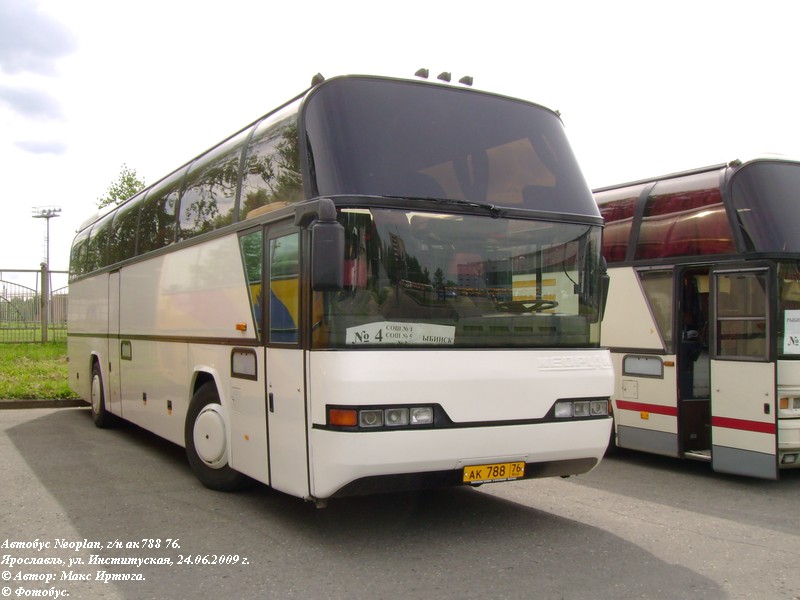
x=692 y=363
x=743 y=379
x=286 y=404
x=114 y=382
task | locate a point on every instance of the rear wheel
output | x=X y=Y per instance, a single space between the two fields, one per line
x=101 y=417
x=206 y=439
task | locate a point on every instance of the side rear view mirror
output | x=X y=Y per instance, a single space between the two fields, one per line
x=327 y=244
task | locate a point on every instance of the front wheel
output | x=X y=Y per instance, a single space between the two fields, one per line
x=206 y=438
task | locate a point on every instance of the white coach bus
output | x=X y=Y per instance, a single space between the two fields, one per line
x=383 y=284
x=703 y=316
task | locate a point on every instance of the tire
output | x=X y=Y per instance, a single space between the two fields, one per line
x=612 y=440
x=97 y=399
x=206 y=440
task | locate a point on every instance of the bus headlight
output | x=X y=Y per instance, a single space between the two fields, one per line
x=566 y=409
x=563 y=410
x=580 y=409
x=421 y=415
x=789 y=407
x=370 y=418
x=396 y=417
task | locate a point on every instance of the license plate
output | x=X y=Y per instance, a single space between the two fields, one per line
x=495 y=472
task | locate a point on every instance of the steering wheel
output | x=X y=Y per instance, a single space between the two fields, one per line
x=523 y=306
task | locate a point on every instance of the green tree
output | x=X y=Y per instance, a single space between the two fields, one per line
x=126 y=185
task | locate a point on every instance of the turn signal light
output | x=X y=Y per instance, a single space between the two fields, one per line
x=342 y=418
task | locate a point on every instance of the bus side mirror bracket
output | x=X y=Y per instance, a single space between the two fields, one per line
x=327 y=244
x=605 y=284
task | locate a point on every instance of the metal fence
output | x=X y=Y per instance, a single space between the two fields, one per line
x=33 y=305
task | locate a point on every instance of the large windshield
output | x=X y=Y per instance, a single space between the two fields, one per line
x=431 y=279
x=764 y=195
x=383 y=137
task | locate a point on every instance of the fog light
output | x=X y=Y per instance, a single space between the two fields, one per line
x=599 y=407
x=370 y=418
x=395 y=417
x=789 y=459
x=421 y=415
x=563 y=410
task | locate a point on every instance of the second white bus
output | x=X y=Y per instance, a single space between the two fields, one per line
x=703 y=315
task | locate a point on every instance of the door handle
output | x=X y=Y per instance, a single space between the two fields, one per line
x=271 y=402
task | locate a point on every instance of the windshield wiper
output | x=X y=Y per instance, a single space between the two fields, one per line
x=494 y=211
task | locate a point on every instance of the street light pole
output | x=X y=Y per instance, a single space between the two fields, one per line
x=46 y=213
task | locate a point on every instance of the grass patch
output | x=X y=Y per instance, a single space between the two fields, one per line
x=30 y=371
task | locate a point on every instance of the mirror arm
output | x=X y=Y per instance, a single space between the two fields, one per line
x=323 y=210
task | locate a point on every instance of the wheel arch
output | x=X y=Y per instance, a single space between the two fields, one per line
x=203 y=374
x=221 y=477
x=200 y=377
x=96 y=359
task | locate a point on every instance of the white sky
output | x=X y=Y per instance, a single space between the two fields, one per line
x=644 y=88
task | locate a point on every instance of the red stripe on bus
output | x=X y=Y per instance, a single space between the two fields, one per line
x=670 y=411
x=743 y=425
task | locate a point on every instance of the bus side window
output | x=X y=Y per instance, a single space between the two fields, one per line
x=742 y=315
x=157 y=216
x=681 y=222
x=618 y=216
x=97 y=249
x=272 y=175
x=252 y=256
x=657 y=286
x=210 y=185
x=284 y=288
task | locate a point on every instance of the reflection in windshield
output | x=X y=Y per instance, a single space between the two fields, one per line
x=378 y=137
x=418 y=278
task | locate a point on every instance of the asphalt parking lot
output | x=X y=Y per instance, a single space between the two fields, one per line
x=123 y=516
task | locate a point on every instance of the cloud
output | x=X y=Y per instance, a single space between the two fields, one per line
x=42 y=147
x=31 y=41
x=30 y=102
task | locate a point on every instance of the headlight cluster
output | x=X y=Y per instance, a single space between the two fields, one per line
x=791 y=404
x=568 y=409
x=380 y=417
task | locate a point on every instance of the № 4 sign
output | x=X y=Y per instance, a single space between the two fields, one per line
x=791 y=332
x=385 y=332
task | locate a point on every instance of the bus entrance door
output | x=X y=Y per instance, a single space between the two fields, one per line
x=288 y=462
x=287 y=431
x=114 y=346
x=694 y=410
x=743 y=379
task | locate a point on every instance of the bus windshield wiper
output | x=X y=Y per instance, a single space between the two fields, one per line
x=494 y=211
